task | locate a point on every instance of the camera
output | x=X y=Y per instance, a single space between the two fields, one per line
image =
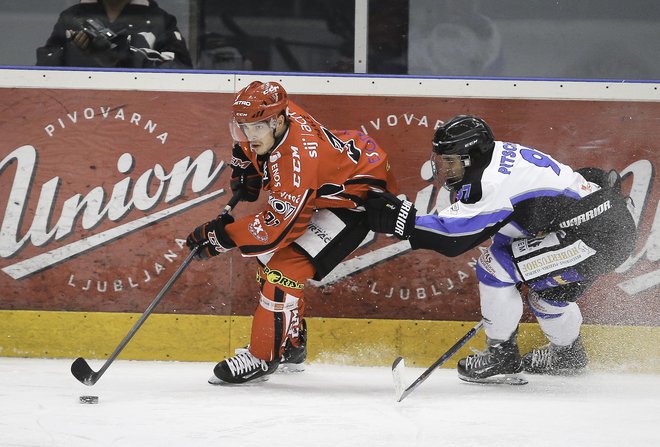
x=101 y=37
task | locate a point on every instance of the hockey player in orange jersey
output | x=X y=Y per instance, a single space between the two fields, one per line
x=317 y=181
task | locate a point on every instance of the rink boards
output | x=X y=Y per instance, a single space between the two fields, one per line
x=347 y=341
x=124 y=144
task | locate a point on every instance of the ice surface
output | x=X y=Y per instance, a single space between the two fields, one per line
x=170 y=404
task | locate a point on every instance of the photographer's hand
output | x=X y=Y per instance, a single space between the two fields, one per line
x=81 y=40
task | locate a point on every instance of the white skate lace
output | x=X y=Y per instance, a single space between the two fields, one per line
x=478 y=360
x=245 y=362
x=542 y=358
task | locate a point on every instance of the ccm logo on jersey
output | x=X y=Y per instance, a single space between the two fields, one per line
x=574 y=222
x=295 y=156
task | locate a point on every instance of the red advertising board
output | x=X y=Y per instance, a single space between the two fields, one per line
x=99 y=189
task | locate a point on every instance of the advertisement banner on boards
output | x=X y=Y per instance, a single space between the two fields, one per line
x=99 y=189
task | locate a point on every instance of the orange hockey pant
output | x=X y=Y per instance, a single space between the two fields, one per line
x=281 y=306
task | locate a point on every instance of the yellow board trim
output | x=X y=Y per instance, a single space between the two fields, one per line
x=363 y=342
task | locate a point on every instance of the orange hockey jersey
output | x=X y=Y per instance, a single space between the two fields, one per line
x=311 y=168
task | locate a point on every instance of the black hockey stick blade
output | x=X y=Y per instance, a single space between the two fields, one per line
x=399 y=365
x=81 y=369
x=83 y=372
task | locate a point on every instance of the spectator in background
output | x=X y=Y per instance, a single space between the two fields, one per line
x=453 y=38
x=115 y=33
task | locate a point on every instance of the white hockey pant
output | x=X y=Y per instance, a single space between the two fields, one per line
x=502 y=308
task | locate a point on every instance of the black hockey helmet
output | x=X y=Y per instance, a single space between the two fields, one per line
x=463 y=135
x=458 y=144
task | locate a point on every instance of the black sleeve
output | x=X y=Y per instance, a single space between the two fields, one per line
x=451 y=246
x=240 y=163
x=52 y=53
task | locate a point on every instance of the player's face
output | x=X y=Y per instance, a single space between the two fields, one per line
x=448 y=170
x=259 y=135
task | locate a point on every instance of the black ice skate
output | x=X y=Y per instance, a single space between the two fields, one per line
x=500 y=357
x=294 y=357
x=241 y=368
x=557 y=360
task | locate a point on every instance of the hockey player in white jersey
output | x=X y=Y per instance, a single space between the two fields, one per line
x=554 y=230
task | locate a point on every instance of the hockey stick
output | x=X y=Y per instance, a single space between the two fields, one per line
x=81 y=369
x=398 y=366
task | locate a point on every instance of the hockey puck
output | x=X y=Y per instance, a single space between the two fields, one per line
x=89 y=399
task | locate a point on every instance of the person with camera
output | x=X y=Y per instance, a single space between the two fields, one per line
x=115 y=33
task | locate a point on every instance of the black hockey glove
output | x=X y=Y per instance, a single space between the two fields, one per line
x=211 y=237
x=386 y=213
x=248 y=185
x=244 y=176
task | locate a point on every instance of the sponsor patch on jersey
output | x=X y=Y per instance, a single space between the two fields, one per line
x=486 y=262
x=274 y=157
x=278 y=278
x=270 y=220
x=257 y=230
x=281 y=207
x=522 y=247
x=552 y=261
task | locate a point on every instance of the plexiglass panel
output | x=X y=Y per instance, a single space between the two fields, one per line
x=593 y=39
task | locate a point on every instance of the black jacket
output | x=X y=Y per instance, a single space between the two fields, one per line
x=148 y=37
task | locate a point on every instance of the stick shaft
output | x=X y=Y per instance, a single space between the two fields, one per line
x=147 y=312
x=443 y=358
x=81 y=369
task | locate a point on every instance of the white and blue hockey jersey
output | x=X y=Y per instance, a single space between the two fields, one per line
x=520 y=193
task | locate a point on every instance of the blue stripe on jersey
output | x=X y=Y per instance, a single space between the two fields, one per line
x=459 y=226
x=486 y=278
x=544 y=193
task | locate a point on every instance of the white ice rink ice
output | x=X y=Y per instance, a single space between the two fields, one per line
x=170 y=404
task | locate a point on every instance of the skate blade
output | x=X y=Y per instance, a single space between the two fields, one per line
x=505 y=379
x=289 y=368
x=566 y=372
x=213 y=380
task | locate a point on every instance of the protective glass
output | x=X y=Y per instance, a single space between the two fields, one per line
x=448 y=170
x=244 y=132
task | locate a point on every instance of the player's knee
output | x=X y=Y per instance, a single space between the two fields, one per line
x=544 y=308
